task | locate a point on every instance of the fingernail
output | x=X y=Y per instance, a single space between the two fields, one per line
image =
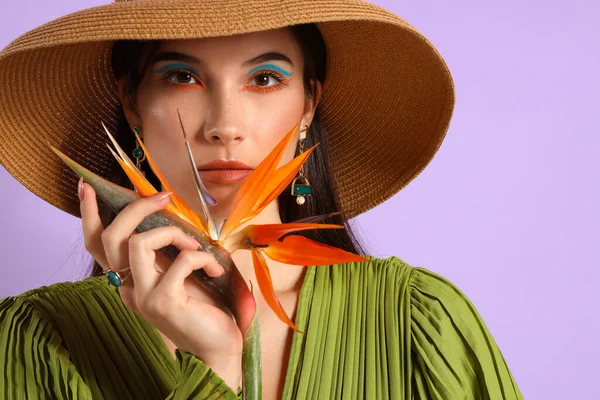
x=80 y=191
x=160 y=196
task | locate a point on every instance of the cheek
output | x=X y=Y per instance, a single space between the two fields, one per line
x=167 y=155
x=161 y=131
x=154 y=108
x=158 y=112
x=278 y=118
x=171 y=160
x=158 y=106
x=287 y=110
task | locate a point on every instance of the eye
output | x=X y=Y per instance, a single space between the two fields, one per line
x=181 y=78
x=267 y=79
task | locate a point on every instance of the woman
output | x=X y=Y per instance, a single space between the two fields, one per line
x=367 y=86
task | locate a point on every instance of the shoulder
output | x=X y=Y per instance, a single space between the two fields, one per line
x=376 y=269
x=417 y=282
x=408 y=280
x=452 y=352
x=39 y=315
x=427 y=299
x=392 y=287
x=434 y=313
x=57 y=305
x=76 y=287
x=72 y=290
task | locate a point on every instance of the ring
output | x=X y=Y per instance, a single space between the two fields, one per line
x=114 y=278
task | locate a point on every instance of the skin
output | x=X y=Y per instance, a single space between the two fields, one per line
x=231 y=111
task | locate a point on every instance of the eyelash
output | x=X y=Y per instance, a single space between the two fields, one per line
x=167 y=76
x=281 y=81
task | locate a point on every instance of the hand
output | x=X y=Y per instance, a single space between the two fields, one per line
x=161 y=291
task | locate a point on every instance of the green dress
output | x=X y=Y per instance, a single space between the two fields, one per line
x=378 y=330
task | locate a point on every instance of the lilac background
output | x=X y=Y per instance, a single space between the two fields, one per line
x=508 y=209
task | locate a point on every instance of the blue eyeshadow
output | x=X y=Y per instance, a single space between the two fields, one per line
x=175 y=66
x=271 y=66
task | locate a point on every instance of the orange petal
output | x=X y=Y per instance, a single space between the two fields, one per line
x=252 y=189
x=138 y=180
x=299 y=250
x=263 y=276
x=267 y=234
x=136 y=177
x=278 y=182
x=184 y=211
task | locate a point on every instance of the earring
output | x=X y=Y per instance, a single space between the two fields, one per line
x=138 y=153
x=300 y=185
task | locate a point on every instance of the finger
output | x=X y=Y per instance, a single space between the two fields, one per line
x=185 y=263
x=91 y=224
x=115 y=236
x=142 y=254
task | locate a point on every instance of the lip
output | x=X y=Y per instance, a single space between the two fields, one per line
x=220 y=172
x=222 y=164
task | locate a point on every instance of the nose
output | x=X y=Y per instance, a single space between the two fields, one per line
x=224 y=123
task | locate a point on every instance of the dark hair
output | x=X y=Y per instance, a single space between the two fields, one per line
x=131 y=58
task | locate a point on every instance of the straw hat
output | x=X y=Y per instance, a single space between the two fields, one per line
x=387 y=99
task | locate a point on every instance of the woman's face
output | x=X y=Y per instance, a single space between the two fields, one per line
x=237 y=96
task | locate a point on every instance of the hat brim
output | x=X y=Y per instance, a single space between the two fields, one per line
x=387 y=99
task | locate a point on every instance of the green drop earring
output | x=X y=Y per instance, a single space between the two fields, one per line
x=138 y=153
x=300 y=185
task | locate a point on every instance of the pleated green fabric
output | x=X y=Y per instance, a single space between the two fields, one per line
x=378 y=330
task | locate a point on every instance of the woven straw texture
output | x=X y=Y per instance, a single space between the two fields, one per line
x=387 y=99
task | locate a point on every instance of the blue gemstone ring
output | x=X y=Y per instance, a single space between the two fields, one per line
x=114 y=278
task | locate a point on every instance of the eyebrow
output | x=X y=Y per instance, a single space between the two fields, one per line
x=178 y=56
x=270 y=56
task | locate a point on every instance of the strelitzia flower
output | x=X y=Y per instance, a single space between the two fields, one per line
x=279 y=242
